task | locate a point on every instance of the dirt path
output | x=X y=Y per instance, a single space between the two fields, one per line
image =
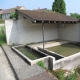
x=5 y=69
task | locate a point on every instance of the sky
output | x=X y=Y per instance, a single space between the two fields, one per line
x=72 y=6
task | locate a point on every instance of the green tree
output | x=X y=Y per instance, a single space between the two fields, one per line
x=75 y=15
x=59 y=6
x=14 y=15
x=0 y=16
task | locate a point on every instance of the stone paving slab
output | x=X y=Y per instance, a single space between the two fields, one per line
x=48 y=44
x=21 y=68
x=6 y=72
x=42 y=76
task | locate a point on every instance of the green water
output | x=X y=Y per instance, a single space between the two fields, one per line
x=30 y=54
x=65 y=49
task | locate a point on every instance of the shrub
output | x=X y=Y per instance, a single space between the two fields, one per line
x=41 y=63
x=73 y=76
x=2 y=35
x=0 y=16
x=61 y=75
x=14 y=15
x=1 y=21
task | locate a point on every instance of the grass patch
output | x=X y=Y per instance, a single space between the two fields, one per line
x=2 y=35
x=60 y=74
x=41 y=63
x=1 y=21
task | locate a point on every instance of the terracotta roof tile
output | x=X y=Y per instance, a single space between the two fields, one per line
x=10 y=10
x=1 y=12
x=47 y=16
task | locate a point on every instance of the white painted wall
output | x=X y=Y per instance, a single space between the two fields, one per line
x=23 y=31
x=33 y=32
x=11 y=31
x=71 y=32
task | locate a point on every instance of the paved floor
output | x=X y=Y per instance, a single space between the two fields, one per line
x=22 y=68
x=42 y=76
x=48 y=44
x=69 y=66
x=5 y=69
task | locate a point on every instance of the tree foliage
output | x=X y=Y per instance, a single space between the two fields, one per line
x=75 y=15
x=0 y=16
x=14 y=15
x=59 y=6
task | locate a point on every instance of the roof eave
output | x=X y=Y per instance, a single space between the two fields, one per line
x=50 y=21
x=44 y=21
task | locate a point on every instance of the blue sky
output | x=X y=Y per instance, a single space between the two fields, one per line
x=72 y=6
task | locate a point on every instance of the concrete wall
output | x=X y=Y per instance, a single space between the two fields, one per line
x=70 y=62
x=23 y=31
x=11 y=31
x=69 y=32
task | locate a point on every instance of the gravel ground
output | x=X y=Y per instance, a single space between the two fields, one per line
x=5 y=69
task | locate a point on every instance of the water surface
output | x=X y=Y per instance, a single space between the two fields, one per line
x=29 y=53
x=65 y=49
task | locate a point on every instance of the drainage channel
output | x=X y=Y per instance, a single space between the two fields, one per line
x=57 y=56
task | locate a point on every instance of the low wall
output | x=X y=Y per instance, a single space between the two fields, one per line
x=51 y=62
x=45 y=59
x=65 y=61
x=62 y=62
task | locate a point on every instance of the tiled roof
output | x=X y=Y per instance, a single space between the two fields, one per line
x=1 y=12
x=47 y=16
x=43 y=9
x=10 y=10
